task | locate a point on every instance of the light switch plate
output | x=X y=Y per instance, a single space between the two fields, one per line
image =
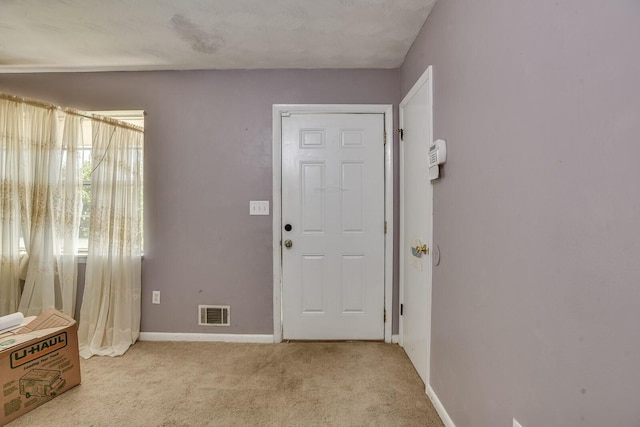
x=516 y=423
x=259 y=207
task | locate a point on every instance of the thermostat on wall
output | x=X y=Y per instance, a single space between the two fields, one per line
x=437 y=156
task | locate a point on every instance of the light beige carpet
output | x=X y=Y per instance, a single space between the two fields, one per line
x=220 y=384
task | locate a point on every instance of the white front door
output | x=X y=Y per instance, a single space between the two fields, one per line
x=333 y=226
x=416 y=210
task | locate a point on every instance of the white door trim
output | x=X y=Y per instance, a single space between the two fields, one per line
x=426 y=78
x=278 y=111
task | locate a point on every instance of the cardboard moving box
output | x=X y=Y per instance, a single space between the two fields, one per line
x=38 y=361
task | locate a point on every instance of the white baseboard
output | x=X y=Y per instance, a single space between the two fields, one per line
x=171 y=336
x=395 y=339
x=446 y=419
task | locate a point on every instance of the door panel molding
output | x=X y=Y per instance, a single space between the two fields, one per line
x=280 y=110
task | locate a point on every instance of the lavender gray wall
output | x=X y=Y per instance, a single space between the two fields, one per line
x=536 y=301
x=208 y=152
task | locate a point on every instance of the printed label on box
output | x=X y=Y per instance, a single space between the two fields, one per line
x=37 y=350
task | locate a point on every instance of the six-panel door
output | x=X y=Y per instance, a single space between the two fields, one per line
x=333 y=201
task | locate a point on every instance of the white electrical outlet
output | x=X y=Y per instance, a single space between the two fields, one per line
x=259 y=207
x=516 y=423
x=155 y=297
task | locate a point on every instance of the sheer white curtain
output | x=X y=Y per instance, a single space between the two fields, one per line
x=40 y=202
x=38 y=178
x=10 y=136
x=110 y=313
x=67 y=211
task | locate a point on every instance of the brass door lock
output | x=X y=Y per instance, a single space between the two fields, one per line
x=420 y=250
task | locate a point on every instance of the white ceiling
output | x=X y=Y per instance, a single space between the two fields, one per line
x=93 y=35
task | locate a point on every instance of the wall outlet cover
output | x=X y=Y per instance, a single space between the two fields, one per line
x=259 y=207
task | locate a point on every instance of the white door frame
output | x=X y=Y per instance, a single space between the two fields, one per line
x=426 y=78
x=282 y=109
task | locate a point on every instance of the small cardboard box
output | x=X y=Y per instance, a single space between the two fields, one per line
x=38 y=362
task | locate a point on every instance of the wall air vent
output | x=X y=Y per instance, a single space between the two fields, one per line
x=216 y=315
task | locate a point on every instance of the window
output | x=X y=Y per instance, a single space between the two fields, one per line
x=134 y=117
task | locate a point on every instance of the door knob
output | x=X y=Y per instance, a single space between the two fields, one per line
x=419 y=250
x=288 y=243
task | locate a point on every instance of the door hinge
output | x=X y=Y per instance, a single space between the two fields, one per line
x=401 y=309
x=385 y=227
x=385 y=137
x=385 y=315
x=401 y=132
